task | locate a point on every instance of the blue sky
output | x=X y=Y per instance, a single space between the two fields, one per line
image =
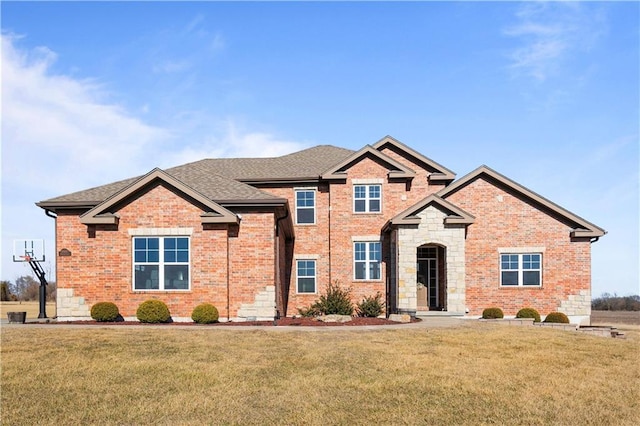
x=545 y=93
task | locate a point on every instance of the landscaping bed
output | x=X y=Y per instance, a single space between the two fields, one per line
x=303 y=322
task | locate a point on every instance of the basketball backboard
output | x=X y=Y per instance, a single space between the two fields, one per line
x=28 y=249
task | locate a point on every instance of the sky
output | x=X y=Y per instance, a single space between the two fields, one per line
x=545 y=93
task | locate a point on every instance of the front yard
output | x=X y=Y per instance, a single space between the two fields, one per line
x=472 y=374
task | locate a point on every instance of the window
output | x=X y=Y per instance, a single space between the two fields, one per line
x=305 y=206
x=521 y=269
x=367 y=257
x=366 y=198
x=306 y=270
x=161 y=263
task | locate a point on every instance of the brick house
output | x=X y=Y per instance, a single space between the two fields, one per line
x=261 y=237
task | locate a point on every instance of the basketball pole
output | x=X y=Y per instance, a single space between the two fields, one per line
x=37 y=269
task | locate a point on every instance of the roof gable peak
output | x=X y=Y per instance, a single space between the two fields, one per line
x=396 y=169
x=440 y=173
x=100 y=214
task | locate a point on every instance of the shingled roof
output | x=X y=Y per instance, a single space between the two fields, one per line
x=223 y=180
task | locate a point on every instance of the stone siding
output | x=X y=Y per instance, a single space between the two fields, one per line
x=431 y=230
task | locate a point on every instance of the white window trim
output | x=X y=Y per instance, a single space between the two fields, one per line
x=315 y=277
x=161 y=232
x=315 y=204
x=160 y=264
x=520 y=269
x=367 y=261
x=366 y=199
x=521 y=250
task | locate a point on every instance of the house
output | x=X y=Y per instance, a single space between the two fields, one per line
x=262 y=237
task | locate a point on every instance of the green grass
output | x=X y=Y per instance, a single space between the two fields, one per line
x=474 y=374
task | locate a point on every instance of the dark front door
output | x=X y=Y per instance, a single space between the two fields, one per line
x=427 y=278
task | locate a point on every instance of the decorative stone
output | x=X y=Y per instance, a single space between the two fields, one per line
x=400 y=318
x=334 y=318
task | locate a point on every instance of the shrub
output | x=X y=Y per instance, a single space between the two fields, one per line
x=105 y=312
x=153 y=311
x=528 y=313
x=371 y=306
x=205 y=313
x=557 y=317
x=492 y=313
x=309 y=312
x=337 y=300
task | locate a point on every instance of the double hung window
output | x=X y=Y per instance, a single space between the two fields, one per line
x=305 y=207
x=161 y=263
x=367 y=198
x=522 y=269
x=367 y=257
x=306 y=276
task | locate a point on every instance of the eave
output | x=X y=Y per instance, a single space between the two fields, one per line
x=101 y=214
x=581 y=227
x=396 y=169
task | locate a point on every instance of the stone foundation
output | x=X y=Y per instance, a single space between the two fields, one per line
x=70 y=307
x=263 y=307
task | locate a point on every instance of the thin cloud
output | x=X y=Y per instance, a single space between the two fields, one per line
x=53 y=123
x=61 y=134
x=549 y=33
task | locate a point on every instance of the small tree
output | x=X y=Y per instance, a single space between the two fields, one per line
x=5 y=293
x=336 y=300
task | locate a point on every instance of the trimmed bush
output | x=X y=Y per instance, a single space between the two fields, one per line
x=205 y=313
x=492 y=313
x=528 y=313
x=153 y=311
x=336 y=301
x=371 y=306
x=105 y=312
x=557 y=317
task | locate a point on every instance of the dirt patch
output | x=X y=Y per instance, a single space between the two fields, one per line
x=615 y=317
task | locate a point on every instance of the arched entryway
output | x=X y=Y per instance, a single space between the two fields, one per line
x=431 y=277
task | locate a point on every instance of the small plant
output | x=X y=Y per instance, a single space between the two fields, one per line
x=105 y=312
x=337 y=300
x=492 y=313
x=153 y=311
x=205 y=313
x=557 y=317
x=528 y=313
x=371 y=306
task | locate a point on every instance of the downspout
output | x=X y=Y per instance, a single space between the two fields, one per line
x=594 y=240
x=228 y=277
x=329 y=231
x=278 y=277
x=53 y=215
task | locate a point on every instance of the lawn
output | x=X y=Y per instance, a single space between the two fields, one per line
x=474 y=374
x=31 y=308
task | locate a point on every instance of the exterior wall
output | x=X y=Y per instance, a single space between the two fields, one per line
x=420 y=187
x=330 y=240
x=348 y=227
x=504 y=221
x=431 y=230
x=100 y=266
x=252 y=266
x=311 y=242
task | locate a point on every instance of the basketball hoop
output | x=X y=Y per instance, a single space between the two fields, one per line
x=25 y=258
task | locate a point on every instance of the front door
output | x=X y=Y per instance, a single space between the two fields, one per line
x=427 y=279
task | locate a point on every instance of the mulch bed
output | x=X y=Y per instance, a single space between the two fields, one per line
x=303 y=322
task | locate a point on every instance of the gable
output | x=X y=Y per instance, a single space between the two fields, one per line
x=395 y=169
x=437 y=172
x=104 y=212
x=455 y=215
x=581 y=228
